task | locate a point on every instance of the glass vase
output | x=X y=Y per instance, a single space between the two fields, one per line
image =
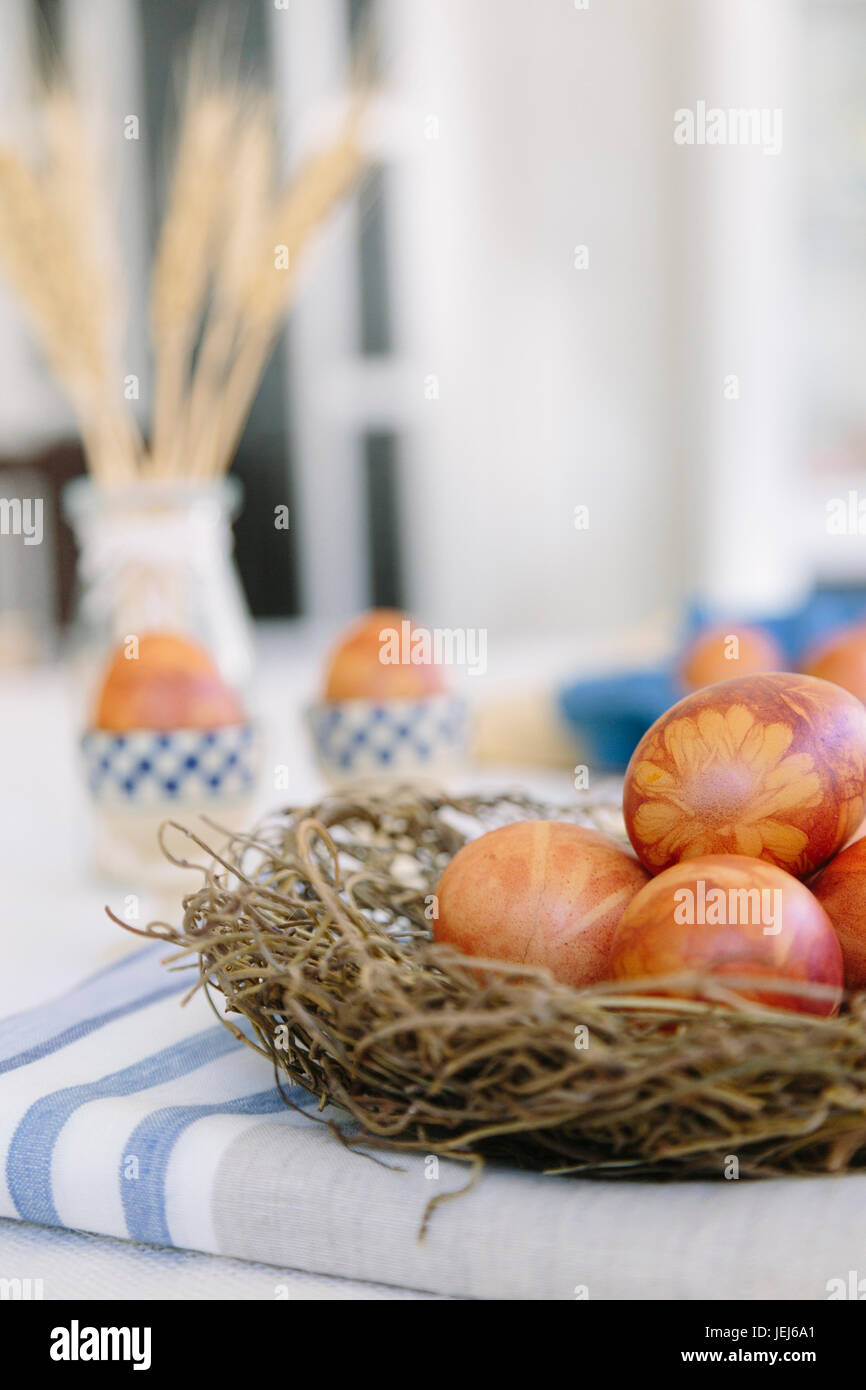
x=157 y=557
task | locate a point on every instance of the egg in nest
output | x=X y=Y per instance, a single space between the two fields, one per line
x=770 y=766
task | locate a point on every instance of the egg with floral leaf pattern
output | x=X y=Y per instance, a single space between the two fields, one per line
x=771 y=766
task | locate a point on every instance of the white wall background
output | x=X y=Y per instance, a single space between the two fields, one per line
x=553 y=127
x=553 y=132
x=742 y=294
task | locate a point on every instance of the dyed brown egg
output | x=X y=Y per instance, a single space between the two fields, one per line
x=165 y=682
x=856 y=834
x=728 y=915
x=771 y=766
x=841 y=890
x=382 y=657
x=538 y=893
x=842 y=660
x=723 y=653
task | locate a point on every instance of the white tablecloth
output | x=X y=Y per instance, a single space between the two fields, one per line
x=73 y=1265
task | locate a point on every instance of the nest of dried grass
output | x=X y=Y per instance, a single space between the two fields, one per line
x=314 y=928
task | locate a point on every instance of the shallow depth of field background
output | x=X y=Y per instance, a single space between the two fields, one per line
x=538 y=302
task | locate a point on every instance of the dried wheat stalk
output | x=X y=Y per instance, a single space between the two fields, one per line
x=184 y=263
x=266 y=290
x=251 y=182
x=77 y=188
x=51 y=281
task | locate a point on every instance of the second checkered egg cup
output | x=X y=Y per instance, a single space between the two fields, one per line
x=359 y=739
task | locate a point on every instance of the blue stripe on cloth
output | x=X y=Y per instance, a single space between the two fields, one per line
x=128 y=984
x=151 y=1143
x=28 y=1165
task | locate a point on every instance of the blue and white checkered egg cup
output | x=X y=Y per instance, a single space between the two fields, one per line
x=181 y=768
x=139 y=779
x=356 y=740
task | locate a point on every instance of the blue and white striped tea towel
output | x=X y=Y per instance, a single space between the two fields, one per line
x=115 y=1104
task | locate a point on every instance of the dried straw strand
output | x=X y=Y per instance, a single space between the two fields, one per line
x=252 y=160
x=76 y=184
x=325 y=178
x=40 y=256
x=184 y=261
